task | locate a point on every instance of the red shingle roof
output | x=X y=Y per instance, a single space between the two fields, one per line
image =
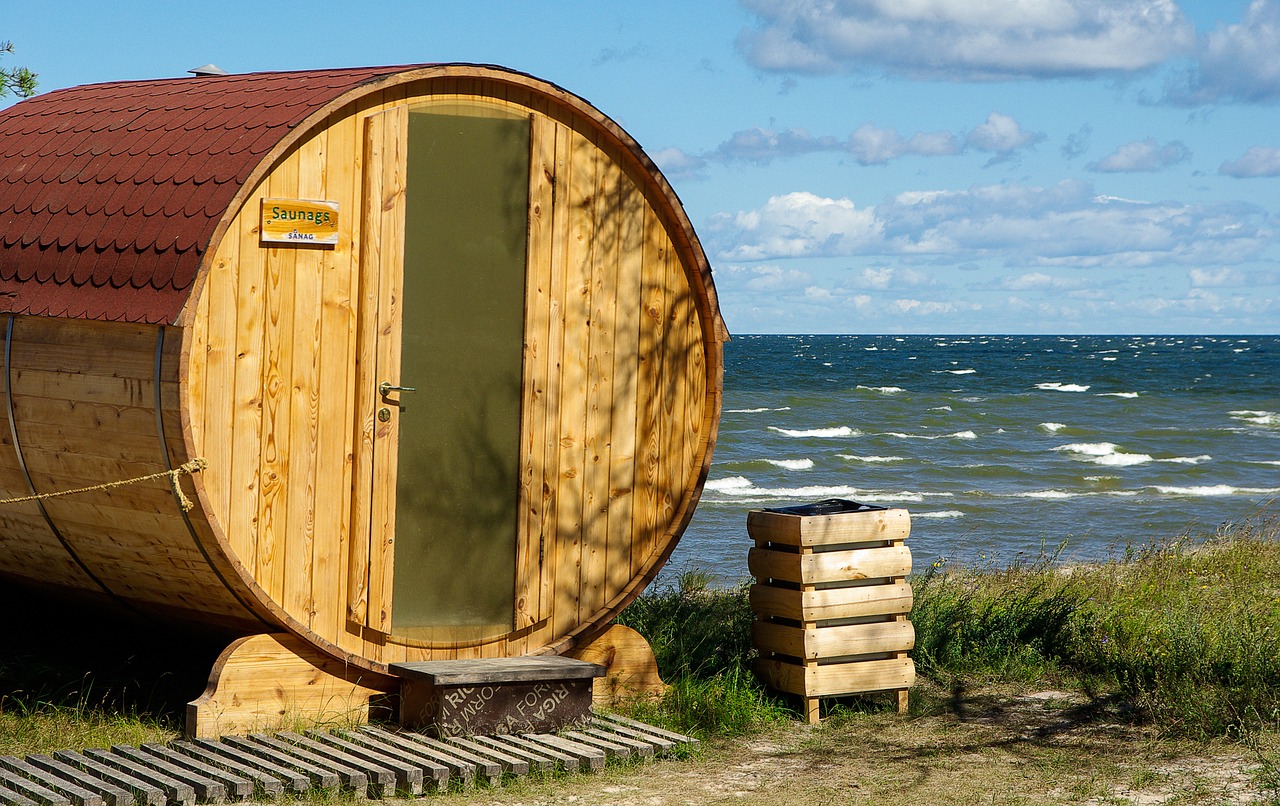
x=110 y=193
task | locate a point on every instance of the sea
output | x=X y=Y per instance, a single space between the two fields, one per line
x=1003 y=449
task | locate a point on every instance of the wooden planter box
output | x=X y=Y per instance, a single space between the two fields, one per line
x=831 y=600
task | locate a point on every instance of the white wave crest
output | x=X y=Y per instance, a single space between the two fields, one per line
x=792 y=464
x=731 y=484
x=838 y=431
x=1063 y=387
x=956 y=435
x=1188 y=460
x=1104 y=453
x=1264 y=418
x=946 y=513
x=962 y=371
x=1117 y=394
x=1048 y=494
x=871 y=459
x=755 y=411
x=1053 y=428
x=884 y=390
x=1215 y=490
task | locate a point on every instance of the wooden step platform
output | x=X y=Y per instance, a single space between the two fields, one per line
x=368 y=761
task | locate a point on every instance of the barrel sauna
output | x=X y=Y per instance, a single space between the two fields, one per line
x=397 y=364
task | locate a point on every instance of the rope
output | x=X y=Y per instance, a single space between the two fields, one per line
x=192 y=467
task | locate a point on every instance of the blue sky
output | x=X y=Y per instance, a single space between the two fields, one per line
x=854 y=166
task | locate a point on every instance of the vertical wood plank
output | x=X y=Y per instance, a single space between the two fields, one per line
x=395 y=134
x=622 y=463
x=555 y=394
x=337 y=358
x=649 y=392
x=534 y=404
x=273 y=512
x=220 y=295
x=603 y=267
x=246 y=395
x=304 y=395
x=573 y=416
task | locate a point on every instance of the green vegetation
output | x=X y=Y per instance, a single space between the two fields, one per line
x=1186 y=631
x=1178 y=643
x=1181 y=638
x=18 y=80
x=701 y=637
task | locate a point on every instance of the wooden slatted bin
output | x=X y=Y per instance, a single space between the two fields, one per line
x=831 y=600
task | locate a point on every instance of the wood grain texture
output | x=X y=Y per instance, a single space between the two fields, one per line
x=828 y=530
x=270 y=682
x=281 y=351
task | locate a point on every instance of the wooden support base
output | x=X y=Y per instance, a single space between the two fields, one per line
x=630 y=669
x=277 y=681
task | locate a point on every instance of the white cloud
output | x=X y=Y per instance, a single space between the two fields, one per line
x=1001 y=134
x=869 y=144
x=762 y=145
x=1065 y=225
x=677 y=164
x=965 y=40
x=1142 y=155
x=872 y=145
x=884 y=278
x=1238 y=62
x=1038 y=281
x=1232 y=278
x=1257 y=161
x=797 y=224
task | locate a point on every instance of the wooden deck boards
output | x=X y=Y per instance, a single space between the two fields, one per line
x=370 y=761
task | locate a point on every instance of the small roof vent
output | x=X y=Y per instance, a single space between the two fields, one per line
x=208 y=70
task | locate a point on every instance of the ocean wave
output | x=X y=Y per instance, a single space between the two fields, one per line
x=1215 y=490
x=884 y=390
x=1053 y=428
x=1117 y=394
x=1063 y=387
x=941 y=408
x=1266 y=462
x=956 y=435
x=872 y=459
x=728 y=484
x=1049 y=494
x=740 y=488
x=1104 y=453
x=962 y=371
x=838 y=431
x=1188 y=460
x=755 y=411
x=946 y=513
x=792 y=464
x=1264 y=418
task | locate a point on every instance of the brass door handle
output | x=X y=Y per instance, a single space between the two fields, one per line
x=386 y=388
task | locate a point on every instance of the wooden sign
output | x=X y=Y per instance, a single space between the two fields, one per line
x=299 y=221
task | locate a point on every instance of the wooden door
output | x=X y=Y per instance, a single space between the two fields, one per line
x=446 y=381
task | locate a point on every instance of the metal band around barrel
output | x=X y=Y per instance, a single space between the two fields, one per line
x=22 y=464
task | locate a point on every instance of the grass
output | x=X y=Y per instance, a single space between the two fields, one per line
x=1188 y=630
x=1180 y=636
x=1177 y=640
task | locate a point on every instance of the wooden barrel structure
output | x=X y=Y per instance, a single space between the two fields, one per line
x=411 y=363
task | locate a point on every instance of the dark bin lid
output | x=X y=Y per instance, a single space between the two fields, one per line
x=831 y=506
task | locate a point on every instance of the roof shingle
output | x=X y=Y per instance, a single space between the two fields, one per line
x=111 y=193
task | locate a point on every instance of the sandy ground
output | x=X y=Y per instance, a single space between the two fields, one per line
x=1033 y=748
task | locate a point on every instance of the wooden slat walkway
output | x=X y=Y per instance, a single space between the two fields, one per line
x=369 y=762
